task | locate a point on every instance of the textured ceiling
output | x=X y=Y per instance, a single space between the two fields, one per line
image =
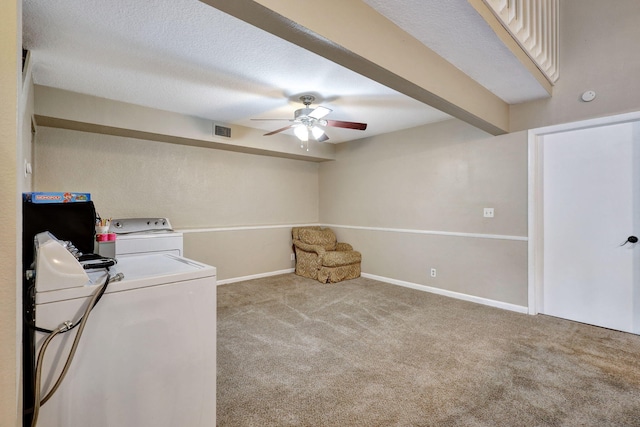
x=187 y=57
x=455 y=31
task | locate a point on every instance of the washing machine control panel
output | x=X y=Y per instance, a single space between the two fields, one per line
x=139 y=225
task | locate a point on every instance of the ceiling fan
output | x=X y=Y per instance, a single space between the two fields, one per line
x=309 y=122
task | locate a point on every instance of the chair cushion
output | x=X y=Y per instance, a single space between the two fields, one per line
x=324 y=238
x=337 y=259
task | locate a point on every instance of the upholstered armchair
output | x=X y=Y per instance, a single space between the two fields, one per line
x=319 y=255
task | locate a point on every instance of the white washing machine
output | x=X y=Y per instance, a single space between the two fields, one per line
x=147 y=355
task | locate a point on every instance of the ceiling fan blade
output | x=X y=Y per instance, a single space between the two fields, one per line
x=347 y=125
x=282 y=120
x=278 y=130
x=319 y=112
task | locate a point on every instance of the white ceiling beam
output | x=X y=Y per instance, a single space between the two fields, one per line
x=354 y=35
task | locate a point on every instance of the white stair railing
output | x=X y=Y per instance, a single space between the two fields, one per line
x=534 y=25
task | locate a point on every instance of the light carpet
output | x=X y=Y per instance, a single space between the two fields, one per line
x=294 y=352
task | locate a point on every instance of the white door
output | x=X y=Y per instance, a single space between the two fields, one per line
x=591 y=206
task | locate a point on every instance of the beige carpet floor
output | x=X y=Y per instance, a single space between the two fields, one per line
x=293 y=352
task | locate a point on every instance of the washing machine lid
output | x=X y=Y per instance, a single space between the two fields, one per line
x=137 y=267
x=139 y=271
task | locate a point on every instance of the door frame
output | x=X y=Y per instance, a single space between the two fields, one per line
x=536 y=199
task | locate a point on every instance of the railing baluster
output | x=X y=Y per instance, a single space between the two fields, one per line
x=534 y=24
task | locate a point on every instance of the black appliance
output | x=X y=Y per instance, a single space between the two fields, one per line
x=74 y=222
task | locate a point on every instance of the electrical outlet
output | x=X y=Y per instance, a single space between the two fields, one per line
x=433 y=272
x=488 y=212
x=293 y=256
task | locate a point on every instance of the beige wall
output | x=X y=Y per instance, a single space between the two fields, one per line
x=196 y=188
x=71 y=110
x=598 y=51
x=435 y=178
x=242 y=253
x=492 y=269
x=27 y=102
x=10 y=148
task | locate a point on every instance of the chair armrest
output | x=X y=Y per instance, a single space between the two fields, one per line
x=343 y=247
x=309 y=248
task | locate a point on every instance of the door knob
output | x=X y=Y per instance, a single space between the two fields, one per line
x=630 y=239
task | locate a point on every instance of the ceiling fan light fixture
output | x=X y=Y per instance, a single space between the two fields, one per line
x=308 y=123
x=301 y=132
x=317 y=132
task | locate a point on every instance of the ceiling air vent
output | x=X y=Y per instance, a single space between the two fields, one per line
x=221 y=131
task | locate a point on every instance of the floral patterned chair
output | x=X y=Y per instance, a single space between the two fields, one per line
x=319 y=255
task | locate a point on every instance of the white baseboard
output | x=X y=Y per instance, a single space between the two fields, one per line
x=255 y=276
x=443 y=292
x=451 y=294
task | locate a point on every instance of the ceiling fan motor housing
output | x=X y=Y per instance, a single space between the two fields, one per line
x=302 y=116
